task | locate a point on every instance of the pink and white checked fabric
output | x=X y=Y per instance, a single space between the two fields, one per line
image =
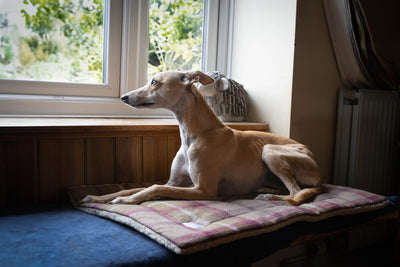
x=190 y=226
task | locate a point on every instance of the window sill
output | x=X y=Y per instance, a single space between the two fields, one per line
x=12 y=105
x=74 y=127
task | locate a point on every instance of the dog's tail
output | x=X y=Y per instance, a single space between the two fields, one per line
x=303 y=195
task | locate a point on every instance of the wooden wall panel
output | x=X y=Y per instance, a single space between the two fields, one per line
x=40 y=158
x=128 y=152
x=3 y=179
x=155 y=163
x=61 y=164
x=100 y=161
x=19 y=182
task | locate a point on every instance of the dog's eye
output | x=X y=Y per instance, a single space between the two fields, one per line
x=154 y=82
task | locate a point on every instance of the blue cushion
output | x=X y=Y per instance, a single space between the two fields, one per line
x=64 y=236
x=68 y=237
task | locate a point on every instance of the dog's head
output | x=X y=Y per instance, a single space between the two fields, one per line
x=165 y=89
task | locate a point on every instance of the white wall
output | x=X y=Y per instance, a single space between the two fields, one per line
x=291 y=87
x=262 y=58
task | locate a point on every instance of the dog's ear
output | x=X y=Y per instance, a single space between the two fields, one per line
x=197 y=76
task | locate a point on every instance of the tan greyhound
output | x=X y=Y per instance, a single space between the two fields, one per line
x=215 y=160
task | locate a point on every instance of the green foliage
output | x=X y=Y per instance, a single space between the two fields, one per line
x=41 y=48
x=26 y=56
x=70 y=33
x=6 y=52
x=76 y=19
x=64 y=39
x=175 y=35
x=78 y=22
x=47 y=14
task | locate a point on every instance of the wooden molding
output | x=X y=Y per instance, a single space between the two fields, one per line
x=14 y=128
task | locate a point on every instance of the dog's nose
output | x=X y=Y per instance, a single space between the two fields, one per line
x=125 y=98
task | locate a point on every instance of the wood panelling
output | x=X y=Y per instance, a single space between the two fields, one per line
x=155 y=158
x=129 y=159
x=19 y=172
x=61 y=164
x=100 y=156
x=3 y=180
x=40 y=158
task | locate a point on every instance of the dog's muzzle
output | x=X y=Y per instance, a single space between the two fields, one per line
x=137 y=102
x=125 y=98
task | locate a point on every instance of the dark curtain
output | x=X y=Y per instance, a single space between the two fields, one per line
x=359 y=63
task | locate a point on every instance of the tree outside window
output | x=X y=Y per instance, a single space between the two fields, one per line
x=175 y=34
x=62 y=40
x=52 y=40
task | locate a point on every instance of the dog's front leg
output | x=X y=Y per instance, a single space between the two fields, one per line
x=172 y=192
x=109 y=197
x=199 y=192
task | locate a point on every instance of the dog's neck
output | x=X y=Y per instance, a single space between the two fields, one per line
x=195 y=116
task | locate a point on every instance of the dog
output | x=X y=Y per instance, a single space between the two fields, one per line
x=215 y=160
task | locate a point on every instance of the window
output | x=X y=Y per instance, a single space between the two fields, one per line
x=54 y=54
x=117 y=51
x=52 y=41
x=175 y=35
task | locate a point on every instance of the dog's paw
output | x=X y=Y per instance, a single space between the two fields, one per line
x=117 y=200
x=95 y=199
x=90 y=199
x=123 y=200
x=263 y=197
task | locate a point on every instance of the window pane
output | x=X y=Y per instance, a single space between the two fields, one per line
x=54 y=40
x=175 y=35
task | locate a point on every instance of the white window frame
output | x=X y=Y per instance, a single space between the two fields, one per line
x=126 y=66
x=218 y=36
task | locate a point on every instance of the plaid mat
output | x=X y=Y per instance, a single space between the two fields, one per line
x=190 y=226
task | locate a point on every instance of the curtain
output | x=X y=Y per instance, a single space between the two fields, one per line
x=359 y=64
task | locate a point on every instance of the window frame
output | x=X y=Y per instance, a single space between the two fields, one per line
x=111 y=56
x=217 y=41
x=128 y=48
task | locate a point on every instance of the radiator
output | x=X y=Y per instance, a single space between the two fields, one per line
x=367 y=141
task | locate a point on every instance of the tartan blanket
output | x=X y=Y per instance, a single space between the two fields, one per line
x=186 y=226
